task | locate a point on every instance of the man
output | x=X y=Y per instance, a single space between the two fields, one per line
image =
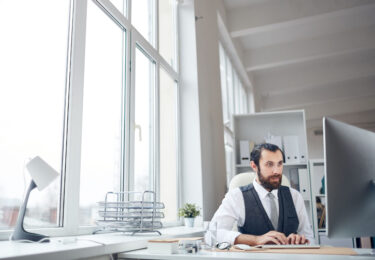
x=265 y=211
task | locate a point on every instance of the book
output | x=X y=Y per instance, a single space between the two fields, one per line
x=163 y=246
x=168 y=245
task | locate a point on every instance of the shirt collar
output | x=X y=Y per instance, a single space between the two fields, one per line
x=262 y=192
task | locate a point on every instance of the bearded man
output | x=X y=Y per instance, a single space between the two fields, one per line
x=265 y=211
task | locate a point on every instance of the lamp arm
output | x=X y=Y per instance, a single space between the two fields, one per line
x=19 y=232
x=22 y=211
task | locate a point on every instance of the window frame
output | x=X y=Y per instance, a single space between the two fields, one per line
x=71 y=155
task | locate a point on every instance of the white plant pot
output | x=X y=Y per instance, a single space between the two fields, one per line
x=189 y=222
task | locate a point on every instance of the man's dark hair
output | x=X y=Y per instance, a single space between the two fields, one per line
x=257 y=151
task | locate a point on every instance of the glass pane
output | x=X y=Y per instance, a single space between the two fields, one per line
x=168 y=145
x=223 y=81
x=236 y=93
x=243 y=100
x=143 y=18
x=167 y=30
x=143 y=127
x=32 y=92
x=102 y=106
x=230 y=89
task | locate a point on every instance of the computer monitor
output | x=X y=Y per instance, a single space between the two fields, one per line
x=349 y=154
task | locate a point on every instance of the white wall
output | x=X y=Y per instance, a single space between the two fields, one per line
x=315 y=144
x=202 y=135
x=190 y=160
x=210 y=106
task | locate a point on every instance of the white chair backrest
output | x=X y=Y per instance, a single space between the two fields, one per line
x=245 y=178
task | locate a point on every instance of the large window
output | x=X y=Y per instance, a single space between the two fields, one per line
x=96 y=100
x=167 y=31
x=32 y=92
x=234 y=100
x=102 y=111
x=143 y=123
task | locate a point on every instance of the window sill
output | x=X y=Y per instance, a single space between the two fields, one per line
x=89 y=245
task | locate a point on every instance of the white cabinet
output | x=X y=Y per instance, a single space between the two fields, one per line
x=286 y=128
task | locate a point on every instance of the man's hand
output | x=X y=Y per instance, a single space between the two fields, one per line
x=272 y=237
x=295 y=239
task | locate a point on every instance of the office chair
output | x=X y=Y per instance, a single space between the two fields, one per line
x=245 y=178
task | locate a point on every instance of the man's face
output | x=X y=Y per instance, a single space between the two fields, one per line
x=270 y=169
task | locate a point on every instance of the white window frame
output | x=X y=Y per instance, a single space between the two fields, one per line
x=71 y=162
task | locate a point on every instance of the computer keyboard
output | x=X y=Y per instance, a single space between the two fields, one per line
x=290 y=246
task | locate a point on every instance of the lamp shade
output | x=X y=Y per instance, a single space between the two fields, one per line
x=41 y=172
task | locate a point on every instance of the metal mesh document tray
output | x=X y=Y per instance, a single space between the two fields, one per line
x=121 y=212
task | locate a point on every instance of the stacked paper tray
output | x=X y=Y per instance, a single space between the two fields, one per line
x=130 y=215
x=132 y=204
x=116 y=214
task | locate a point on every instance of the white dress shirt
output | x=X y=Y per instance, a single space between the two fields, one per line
x=232 y=211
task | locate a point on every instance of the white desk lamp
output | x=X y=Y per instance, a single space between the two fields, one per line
x=42 y=175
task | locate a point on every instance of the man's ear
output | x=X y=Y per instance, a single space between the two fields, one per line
x=254 y=166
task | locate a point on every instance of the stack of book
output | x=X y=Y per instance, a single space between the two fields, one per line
x=163 y=246
x=171 y=245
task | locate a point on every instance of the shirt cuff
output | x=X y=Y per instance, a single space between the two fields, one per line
x=227 y=236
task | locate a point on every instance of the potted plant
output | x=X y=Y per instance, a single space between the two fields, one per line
x=189 y=212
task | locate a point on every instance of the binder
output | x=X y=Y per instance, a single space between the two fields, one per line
x=276 y=140
x=304 y=183
x=244 y=153
x=291 y=149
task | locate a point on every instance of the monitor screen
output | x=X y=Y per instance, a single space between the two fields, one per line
x=349 y=154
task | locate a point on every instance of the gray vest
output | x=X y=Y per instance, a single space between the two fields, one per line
x=256 y=219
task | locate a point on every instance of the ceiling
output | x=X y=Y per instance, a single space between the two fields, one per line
x=317 y=55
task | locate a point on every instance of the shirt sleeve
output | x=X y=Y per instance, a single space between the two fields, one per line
x=304 y=227
x=230 y=214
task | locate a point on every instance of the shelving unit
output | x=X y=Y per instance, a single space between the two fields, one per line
x=317 y=172
x=258 y=127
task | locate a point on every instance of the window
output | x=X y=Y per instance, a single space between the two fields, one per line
x=143 y=123
x=224 y=89
x=32 y=94
x=167 y=31
x=234 y=99
x=143 y=18
x=230 y=88
x=107 y=118
x=102 y=112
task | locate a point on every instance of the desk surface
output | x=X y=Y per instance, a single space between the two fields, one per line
x=87 y=246
x=207 y=255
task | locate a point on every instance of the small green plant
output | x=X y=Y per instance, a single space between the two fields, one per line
x=189 y=211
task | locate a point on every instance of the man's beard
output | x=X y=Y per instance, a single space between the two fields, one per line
x=266 y=183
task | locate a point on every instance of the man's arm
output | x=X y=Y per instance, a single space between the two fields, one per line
x=230 y=211
x=304 y=228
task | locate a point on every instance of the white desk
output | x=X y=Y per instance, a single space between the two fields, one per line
x=88 y=246
x=206 y=255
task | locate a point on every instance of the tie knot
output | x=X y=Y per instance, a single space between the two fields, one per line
x=270 y=195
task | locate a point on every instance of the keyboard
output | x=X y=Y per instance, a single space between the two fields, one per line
x=290 y=246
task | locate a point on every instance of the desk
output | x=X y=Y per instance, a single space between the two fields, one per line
x=89 y=245
x=206 y=255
